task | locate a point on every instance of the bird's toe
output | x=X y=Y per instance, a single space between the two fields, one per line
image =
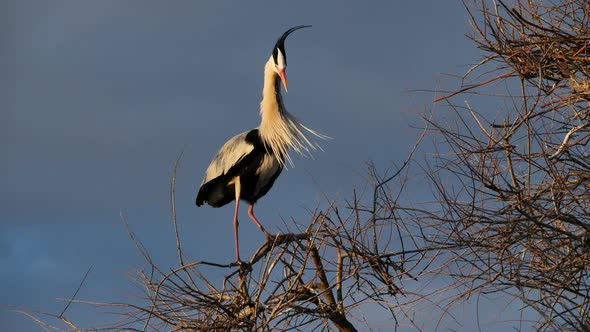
x=243 y=266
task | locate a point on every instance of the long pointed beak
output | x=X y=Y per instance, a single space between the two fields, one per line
x=283 y=78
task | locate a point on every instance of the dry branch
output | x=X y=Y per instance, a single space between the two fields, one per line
x=517 y=211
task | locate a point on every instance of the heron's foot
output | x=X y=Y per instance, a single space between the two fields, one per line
x=271 y=237
x=243 y=266
x=268 y=235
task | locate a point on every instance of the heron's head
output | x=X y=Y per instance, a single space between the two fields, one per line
x=279 y=56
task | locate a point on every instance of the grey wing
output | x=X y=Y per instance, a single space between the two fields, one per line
x=230 y=154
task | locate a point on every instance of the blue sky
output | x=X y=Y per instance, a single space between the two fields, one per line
x=98 y=98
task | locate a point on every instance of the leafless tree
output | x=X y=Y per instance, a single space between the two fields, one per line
x=315 y=276
x=513 y=183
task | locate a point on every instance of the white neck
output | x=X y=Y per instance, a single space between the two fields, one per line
x=279 y=130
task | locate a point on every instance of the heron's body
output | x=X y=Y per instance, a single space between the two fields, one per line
x=249 y=160
x=246 y=166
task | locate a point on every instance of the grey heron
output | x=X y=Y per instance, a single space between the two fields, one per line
x=247 y=165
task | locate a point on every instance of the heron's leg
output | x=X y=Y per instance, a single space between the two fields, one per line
x=251 y=214
x=237 y=185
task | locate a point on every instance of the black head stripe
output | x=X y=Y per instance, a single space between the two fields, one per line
x=280 y=45
x=275 y=53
